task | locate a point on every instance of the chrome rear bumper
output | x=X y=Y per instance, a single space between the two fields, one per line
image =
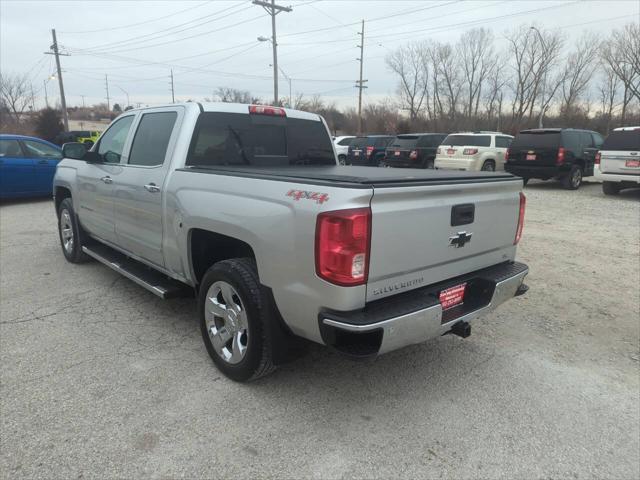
x=427 y=321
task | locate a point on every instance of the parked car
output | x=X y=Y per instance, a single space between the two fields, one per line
x=27 y=166
x=342 y=147
x=413 y=150
x=246 y=206
x=567 y=154
x=88 y=137
x=473 y=151
x=618 y=161
x=368 y=150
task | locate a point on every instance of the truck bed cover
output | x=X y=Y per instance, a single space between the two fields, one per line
x=356 y=177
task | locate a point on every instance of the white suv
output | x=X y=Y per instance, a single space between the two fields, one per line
x=473 y=151
x=342 y=147
x=618 y=161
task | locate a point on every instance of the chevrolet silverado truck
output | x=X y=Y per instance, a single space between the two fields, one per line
x=246 y=208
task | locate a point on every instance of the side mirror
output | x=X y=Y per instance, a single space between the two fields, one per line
x=74 y=150
x=78 y=151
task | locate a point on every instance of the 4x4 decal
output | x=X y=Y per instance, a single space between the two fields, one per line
x=319 y=197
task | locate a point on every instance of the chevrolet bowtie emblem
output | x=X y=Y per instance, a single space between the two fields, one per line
x=460 y=239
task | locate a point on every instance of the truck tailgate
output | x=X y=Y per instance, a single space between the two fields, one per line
x=412 y=230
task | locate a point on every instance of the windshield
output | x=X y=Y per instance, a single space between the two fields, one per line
x=404 y=141
x=622 y=140
x=260 y=140
x=538 y=139
x=468 y=140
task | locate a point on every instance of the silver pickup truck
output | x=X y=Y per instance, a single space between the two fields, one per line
x=245 y=207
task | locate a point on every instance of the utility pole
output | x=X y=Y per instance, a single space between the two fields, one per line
x=83 y=101
x=544 y=78
x=106 y=85
x=46 y=96
x=63 y=102
x=272 y=9
x=360 y=84
x=173 y=93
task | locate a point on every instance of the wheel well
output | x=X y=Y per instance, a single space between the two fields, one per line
x=208 y=248
x=60 y=194
x=489 y=160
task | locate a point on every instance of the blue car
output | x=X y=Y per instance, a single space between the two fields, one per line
x=27 y=166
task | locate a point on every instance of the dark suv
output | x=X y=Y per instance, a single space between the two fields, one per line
x=567 y=154
x=413 y=150
x=368 y=151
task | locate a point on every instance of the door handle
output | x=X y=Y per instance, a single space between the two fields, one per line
x=152 y=187
x=107 y=179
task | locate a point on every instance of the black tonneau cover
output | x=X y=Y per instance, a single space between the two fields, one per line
x=356 y=177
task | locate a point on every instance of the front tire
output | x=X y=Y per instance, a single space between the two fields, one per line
x=233 y=319
x=70 y=233
x=573 y=179
x=342 y=159
x=610 y=188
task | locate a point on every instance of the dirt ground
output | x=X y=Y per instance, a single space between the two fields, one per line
x=100 y=379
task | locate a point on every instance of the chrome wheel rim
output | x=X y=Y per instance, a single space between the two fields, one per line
x=488 y=167
x=66 y=231
x=575 y=179
x=226 y=321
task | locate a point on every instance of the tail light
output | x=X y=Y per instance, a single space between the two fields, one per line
x=267 y=110
x=506 y=154
x=560 y=158
x=523 y=203
x=413 y=155
x=369 y=151
x=343 y=241
x=438 y=151
x=597 y=158
x=470 y=151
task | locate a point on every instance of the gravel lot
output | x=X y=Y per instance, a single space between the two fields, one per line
x=100 y=378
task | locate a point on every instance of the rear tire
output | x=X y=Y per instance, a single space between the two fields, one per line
x=610 y=188
x=342 y=159
x=233 y=319
x=489 y=166
x=71 y=235
x=573 y=179
x=429 y=164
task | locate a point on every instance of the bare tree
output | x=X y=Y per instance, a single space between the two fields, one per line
x=533 y=58
x=578 y=70
x=621 y=54
x=608 y=90
x=447 y=64
x=233 y=95
x=496 y=84
x=15 y=94
x=410 y=63
x=478 y=60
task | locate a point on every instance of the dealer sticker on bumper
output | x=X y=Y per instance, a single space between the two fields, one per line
x=452 y=296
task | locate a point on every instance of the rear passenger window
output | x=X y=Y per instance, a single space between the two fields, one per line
x=503 y=142
x=571 y=141
x=597 y=139
x=345 y=141
x=10 y=148
x=586 y=140
x=152 y=139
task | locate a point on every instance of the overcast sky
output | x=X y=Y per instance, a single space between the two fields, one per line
x=213 y=43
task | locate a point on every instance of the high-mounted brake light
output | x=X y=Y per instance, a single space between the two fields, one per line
x=523 y=204
x=413 y=155
x=369 y=151
x=267 y=110
x=560 y=158
x=598 y=156
x=470 y=151
x=343 y=242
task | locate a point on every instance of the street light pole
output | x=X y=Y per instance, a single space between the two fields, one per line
x=273 y=9
x=544 y=78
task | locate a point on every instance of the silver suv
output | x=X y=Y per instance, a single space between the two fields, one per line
x=618 y=161
x=473 y=151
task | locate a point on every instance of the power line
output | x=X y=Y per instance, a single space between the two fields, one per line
x=162 y=33
x=137 y=24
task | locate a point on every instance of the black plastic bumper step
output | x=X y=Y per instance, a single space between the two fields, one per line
x=154 y=281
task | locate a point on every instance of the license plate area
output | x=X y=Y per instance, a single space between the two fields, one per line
x=397 y=153
x=452 y=296
x=451 y=151
x=632 y=163
x=531 y=156
x=356 y=153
